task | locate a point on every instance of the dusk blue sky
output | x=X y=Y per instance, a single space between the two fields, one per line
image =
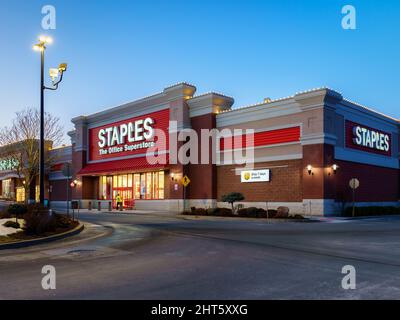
x=119 y=51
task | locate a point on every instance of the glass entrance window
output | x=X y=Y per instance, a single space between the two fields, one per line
x=142 y=186
x=105 y=188
x=155 y=184
x=160 y=185
x=149 y=185
x=136 y=185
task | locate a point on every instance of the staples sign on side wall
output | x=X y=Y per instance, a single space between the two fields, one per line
x=368 y=139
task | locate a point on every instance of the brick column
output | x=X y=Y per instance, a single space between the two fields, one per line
x=203 y=110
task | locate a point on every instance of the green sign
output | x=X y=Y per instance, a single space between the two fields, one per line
x=8 y=164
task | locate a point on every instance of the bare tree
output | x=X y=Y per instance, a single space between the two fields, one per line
x=20 y=143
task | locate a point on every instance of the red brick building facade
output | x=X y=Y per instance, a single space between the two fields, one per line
x=304 y=150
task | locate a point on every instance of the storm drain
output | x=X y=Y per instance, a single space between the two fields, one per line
x=82 y=252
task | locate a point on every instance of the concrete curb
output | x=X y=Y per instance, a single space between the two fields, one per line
x=28 y=243
x=216 y=218
x=370 y=217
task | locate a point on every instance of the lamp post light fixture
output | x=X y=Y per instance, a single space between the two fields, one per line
x=54 y=73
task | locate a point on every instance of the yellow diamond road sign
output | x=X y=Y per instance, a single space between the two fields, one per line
x=185 y=181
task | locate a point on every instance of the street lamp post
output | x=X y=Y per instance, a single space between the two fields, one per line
x=41 y=152
x=41 y=46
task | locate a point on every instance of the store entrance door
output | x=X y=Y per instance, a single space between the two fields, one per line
x=126 y=195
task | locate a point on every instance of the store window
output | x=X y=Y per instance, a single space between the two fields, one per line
x=105 y=188
x=37 y=193
x=149 y=185
x=142 y=186
x=161 y=185
x=136 y=185
x=155 y=186
x=20 y=197
x=6 y=188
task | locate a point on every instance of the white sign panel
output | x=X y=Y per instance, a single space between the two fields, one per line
x=255 y=175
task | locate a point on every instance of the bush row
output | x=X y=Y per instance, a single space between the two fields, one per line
x=251 y=212
x=222 y=212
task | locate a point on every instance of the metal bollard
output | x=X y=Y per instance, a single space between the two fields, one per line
x=90 y=205
x=99 y=206
x=109 y=206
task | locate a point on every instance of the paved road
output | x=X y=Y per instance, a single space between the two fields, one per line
x=150 y=257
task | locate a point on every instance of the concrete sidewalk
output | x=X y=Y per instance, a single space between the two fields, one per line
x=133 y=212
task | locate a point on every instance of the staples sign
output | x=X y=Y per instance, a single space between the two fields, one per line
x=127 y=137
x=367 y=139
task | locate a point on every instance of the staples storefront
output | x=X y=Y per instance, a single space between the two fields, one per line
x=114 y=160
x=307 y=147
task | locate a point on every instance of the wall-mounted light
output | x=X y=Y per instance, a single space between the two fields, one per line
x=334 y=168
x=172 y=176
x=74 y=183
x=309 y=169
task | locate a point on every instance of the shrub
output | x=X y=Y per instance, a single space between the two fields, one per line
x=261 y=213
x=200 y=212
x=224 y=212
x=17 y=209
x=212 y=211
x=62 y=221
x=232 y=197
x=282 y=212
x=252 y=212
x=39 y=221
x=272 y=213
x=14 y=210
x=12 y=224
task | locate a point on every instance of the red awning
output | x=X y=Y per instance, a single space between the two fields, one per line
x=120 y=166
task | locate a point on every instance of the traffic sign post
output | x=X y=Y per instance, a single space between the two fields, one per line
x=185 y=183
x=354 y=183
x=66 y=171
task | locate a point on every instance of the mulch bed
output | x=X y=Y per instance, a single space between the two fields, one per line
x=23 y=236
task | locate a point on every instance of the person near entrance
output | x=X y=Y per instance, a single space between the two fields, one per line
x=119 y=202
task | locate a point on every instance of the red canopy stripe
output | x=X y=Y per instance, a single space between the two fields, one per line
x=121 y=166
